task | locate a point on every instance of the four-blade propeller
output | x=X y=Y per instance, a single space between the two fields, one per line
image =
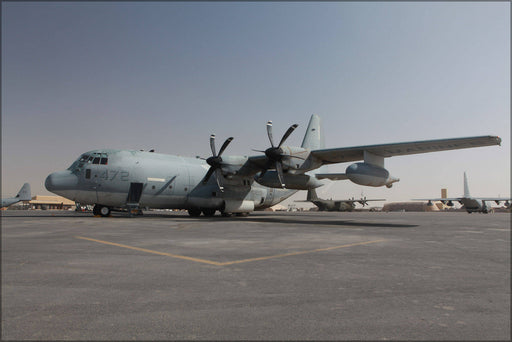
x=275 y=153
x=215 y=162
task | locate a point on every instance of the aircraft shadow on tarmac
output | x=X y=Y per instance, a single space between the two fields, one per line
x=326 y=222
x=260 y=218
x=291 y=219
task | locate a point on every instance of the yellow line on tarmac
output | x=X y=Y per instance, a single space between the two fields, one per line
x=229 y=262
x=152 y=252
x=299 y=253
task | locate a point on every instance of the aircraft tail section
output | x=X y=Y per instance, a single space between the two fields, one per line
x=24 y=193
x=314 y=138
x=466 y=187
x=312 y=196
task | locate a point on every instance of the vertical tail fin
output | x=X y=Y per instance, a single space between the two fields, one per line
x=466 y=187
x=312 y=196
x=314 y=138
x=24 y=194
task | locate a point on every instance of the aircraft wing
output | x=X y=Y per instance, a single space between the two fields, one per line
x=259 y=162
x=331 y=176
x=362 y=200
x=348 y=154
x=493 y=199
x=456 y=199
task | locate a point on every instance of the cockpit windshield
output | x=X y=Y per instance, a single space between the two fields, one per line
x=98 y=158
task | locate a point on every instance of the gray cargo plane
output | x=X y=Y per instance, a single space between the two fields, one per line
x=335 y=205
x=23 y=195
x=471 y=204
x=127 y=179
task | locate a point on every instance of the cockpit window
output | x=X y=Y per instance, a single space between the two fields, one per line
x=97 y=158
x=84 y=158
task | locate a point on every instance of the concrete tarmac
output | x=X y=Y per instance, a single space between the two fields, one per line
x=269 y=276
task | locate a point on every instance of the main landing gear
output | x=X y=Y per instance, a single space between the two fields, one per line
x=196 y=212
x=101 y=210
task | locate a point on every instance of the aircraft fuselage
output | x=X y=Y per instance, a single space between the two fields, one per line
x=108 y=177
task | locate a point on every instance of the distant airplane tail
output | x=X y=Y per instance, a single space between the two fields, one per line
x=24 y=193
x=312 y=196
x=466 y=187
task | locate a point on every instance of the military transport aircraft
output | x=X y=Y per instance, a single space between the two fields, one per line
x=471 y=204
x=127 y=179
x=336 y=205
x=23 y=195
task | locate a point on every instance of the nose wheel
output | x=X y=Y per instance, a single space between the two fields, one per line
x=101 y=210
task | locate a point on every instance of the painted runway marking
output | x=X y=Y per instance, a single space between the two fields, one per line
x=216 y=263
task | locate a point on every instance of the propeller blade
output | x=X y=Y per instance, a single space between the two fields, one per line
x=287 y=134
x=226 y=143
x=269 y=133
x=218 y=178
x=212 y=144
x=208 y=174
x=279 y=169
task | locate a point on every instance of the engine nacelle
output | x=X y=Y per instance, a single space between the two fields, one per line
x=369 y=175
x=296 y=182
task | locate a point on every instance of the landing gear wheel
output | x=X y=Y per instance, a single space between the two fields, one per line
x=209 y=212
x=104 y=211
x=224 y=214
x=242 y=214
x=194 y=212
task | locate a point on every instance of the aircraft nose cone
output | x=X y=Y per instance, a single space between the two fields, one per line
x=61 y=180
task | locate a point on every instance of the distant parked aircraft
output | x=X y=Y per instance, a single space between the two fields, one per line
x=23 y=195
x=471 y=204
x=335 y=205
x=112 y=179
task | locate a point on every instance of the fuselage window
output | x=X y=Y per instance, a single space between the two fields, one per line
x=104 y=161
x=87 y=173
x=96 y=160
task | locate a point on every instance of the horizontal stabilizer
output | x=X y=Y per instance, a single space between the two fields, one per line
x=331 y=176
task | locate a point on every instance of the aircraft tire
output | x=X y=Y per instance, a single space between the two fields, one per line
x=242 y=214
x=104 y=211
x=194 y=212
x=209 y=212
x=96 y=210
x=224 y=214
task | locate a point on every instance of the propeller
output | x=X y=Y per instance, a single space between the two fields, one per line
x=275 y=153
x=215 y=162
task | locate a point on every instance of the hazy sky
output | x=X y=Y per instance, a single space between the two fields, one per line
x=79 y=76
